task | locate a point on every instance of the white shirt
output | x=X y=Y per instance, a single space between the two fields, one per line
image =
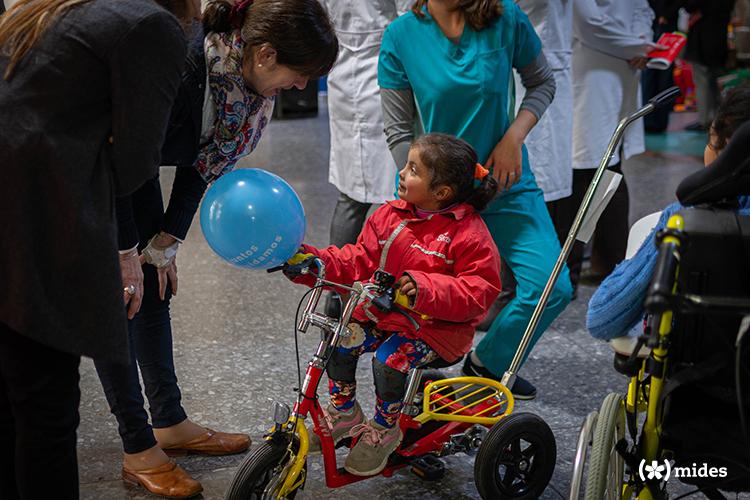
x=606 y=34
x=550 y=142
x=361 y=166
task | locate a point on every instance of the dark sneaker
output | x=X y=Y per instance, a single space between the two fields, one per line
x=522 y=389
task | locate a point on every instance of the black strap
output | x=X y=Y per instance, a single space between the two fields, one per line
x=694 y=373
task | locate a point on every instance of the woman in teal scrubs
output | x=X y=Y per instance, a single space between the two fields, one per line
x=446 y=66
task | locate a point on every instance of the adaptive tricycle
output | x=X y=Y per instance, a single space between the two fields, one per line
x=515 y=454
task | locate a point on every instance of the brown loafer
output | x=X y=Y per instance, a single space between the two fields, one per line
x=168 y=480
x=211 y=443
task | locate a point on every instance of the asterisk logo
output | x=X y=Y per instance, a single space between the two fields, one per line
x=655 y=470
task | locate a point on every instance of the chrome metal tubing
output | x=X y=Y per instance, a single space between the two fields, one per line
x=312 y=302
x=509 y=376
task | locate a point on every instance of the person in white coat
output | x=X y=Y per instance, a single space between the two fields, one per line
x=550 y=143
x=610 y=42
x=361 y=166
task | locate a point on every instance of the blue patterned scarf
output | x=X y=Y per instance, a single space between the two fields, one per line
x=241 y=113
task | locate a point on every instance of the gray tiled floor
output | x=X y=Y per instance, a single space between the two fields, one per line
x=234 y=345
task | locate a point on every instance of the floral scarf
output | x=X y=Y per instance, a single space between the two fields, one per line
x=241 y=113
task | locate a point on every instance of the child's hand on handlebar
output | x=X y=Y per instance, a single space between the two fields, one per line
x=406 y=286
x=298 y=265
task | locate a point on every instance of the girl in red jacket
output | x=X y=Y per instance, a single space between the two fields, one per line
x=437 y=246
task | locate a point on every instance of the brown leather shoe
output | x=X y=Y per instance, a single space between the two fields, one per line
x=168 y=480
x=211 y=443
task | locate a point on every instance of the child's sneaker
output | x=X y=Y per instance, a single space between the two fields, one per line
x=340 y=422
x=370 y=455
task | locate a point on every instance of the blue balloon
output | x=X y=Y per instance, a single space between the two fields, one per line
x=252 y=218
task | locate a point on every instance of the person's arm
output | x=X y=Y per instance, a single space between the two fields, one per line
x=187 y=190
x=397 y=97
x=145 y=68
x=597 y=31
x=351 y=262
x=130 y=265
x=539 y=81
x=506 y=159
x=617 y=305
x=399 y=114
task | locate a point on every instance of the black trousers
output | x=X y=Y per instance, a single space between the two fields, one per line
x=39 y=399
x=610 y=239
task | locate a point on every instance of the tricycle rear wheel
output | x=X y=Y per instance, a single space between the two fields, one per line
x=516 y=458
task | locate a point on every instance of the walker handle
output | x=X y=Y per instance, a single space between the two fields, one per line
x=665 y=97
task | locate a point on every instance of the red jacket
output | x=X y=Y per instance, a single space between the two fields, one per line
x=450 y=256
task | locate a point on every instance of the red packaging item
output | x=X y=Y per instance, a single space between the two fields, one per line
x=663 y=59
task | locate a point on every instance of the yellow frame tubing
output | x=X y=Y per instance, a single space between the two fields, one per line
x=652 y=427
x=290 y=481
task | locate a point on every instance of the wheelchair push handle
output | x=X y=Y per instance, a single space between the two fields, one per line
x=661 y=289
x=659 y=296
x=665 y=97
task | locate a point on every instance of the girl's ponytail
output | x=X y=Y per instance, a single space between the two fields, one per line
x=483 y=193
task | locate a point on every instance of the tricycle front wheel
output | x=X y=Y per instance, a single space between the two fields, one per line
x=260 y=469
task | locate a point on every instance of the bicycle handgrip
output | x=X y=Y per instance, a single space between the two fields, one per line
x=665 y=97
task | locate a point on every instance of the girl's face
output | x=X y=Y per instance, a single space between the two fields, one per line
x=712 y=149
x=414 y=185
x=263 y=74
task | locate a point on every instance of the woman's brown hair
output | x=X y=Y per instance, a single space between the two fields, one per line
x=27 y=20
x=478 y=13
x=300 y=31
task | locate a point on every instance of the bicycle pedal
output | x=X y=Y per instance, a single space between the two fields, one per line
x=428 y=468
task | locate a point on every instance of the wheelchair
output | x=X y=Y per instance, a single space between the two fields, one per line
x=686 y=413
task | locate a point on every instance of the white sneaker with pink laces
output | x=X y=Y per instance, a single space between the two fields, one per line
x=370 y=455
x=339 y=423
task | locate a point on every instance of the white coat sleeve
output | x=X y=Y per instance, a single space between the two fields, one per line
x=593 y=28
x=643 y=19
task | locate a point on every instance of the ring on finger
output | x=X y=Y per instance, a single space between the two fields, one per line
x=130 y=289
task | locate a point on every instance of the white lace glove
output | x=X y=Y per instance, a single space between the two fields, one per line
x=157 y=256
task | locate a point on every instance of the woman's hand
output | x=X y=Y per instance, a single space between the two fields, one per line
x=132 y=275
x=167 y=274
x=161 y=252
x=506 y=160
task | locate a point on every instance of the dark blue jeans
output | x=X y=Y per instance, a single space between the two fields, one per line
x=150 y=338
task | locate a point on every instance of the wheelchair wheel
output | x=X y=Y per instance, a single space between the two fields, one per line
x=585 y=440
x=259 y=469
x=606 y=466
x=516 y=458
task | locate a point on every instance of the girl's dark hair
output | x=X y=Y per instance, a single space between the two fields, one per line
x=478 y=13
x=299 y=30
x=733 y=111
x=452 y=162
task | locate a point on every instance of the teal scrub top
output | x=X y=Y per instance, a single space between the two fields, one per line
x=464 y=88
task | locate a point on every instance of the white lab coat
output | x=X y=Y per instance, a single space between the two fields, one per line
x=361 y=165
x=606 y=34
x=550 y=142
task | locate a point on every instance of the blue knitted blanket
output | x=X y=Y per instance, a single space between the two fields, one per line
x=617 y=305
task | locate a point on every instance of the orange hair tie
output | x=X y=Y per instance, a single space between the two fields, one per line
x=480 y=172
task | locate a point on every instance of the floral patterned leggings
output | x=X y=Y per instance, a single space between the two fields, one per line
x=395 y=355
